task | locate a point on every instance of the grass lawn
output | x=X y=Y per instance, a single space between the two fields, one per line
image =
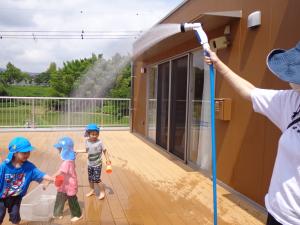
x=30 y=91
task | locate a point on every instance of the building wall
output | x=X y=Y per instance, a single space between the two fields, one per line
x=246 y=145
x=139 y=100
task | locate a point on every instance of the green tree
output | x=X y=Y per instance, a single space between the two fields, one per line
x=3 y=91
x=12 y=74
x=2 y=78
x=26 y=77
x=123 y=84
x=63 y=81
x=122 y=89
x=44 y=77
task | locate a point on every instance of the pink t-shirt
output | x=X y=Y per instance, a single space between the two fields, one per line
x=70 y=184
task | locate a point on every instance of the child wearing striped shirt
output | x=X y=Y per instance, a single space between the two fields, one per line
x=95 y=148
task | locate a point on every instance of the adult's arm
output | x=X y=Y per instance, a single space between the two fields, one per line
x=241 y=86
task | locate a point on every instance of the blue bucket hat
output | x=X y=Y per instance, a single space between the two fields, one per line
x=66 y=145
x=285 y=64
x=18 y=144
x=92 y=127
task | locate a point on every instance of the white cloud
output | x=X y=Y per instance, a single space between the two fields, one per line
x=35 y=56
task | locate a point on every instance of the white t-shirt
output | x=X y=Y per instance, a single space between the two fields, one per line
x=283 y=198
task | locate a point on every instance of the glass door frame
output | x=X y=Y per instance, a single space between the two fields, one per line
x=190 y=118
x=187 y=105
x=148 y=69
x=189 y=97
x=170 y=60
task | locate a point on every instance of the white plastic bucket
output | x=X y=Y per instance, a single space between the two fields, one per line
x=38 y=204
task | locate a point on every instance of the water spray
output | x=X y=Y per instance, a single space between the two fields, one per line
x=203 y=40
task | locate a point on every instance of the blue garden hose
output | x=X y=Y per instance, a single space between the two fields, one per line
x=203 y=40
x=213 y=140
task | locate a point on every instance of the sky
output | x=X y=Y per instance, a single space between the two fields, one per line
x=33 y=54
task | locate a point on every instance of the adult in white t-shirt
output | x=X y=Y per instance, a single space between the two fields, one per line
x=282 y=107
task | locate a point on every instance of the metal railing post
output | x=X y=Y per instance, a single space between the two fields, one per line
x=102 y=111
x=33 y=113
x=129 y=114
x=69 y=113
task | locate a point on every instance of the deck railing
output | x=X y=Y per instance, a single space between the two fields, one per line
x=48 y=112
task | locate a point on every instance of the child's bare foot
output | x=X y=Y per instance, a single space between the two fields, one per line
x=57 y=217
x=92 y=192
x=75 y=219
x=101 y=196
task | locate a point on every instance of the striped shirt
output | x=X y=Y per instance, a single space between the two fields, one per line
x=94 y=150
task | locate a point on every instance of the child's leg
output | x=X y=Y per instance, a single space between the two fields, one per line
x=94 y=176
x=14 y=209
x=92 y=187
x=92 y=190
x=2 y=210
x=97 y=180
x=74 y=206
x=60 y=200
x=102 y=190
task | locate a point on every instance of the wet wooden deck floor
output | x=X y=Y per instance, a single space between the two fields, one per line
x=146 y=186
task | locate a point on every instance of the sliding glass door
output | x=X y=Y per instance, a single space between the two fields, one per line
x=178 y=106
x=162 y=117
x=152 y=103
x=178 y=109
x=199 y=140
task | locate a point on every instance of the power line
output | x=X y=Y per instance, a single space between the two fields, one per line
x=136 y=11
x=64 y=38
x=71 y=31
x=64 y=34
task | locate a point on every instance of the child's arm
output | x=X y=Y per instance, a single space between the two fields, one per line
x=106 y=156
x=47 y=180
x=58 y=172
x=40 y=176
x=81 y=151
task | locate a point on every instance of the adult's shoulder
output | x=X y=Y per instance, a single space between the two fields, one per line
x=279 y=91
x=271 y=93
x=293 y=94
x=289 y=96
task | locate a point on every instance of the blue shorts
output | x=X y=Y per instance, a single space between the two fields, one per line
x=94 y=173
x=12 y=204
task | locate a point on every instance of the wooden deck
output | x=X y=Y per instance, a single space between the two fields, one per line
x=146 y=186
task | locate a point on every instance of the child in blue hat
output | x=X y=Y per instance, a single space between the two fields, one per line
x=68 y=189
x=95 y=148
x=16 y=173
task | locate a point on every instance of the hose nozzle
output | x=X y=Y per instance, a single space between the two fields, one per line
x=201 y=35
x=189 y=26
